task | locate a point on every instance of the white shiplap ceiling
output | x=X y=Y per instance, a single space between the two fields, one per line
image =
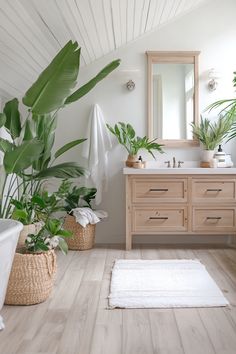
x=33 y=31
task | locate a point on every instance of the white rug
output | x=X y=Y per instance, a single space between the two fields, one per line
x=163 y=284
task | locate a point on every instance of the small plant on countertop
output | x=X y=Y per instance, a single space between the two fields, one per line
x=126 y=136
x=211 y=134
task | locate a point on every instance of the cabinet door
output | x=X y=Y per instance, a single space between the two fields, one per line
x=215 y=190
x=154 y=190
x=159 y=219
x=214 y=219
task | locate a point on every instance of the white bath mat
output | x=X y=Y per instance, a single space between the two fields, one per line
x=163 y=284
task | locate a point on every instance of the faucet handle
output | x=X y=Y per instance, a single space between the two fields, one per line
x=168 y=163
x=180 y=163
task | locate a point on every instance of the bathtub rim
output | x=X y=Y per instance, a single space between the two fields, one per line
x=15 y=227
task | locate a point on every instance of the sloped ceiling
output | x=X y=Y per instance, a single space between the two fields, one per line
x=33 y=31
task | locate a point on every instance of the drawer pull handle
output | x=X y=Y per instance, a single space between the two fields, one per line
x=214 y=217
x=158 y=217
x=214 y=190
x=158 y=189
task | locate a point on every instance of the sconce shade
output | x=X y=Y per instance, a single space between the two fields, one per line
x=130 y=85
x=214 y=76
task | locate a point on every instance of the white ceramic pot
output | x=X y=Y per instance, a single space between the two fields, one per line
x=207 y=155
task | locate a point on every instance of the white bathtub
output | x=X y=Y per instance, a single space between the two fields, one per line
x=9 y=233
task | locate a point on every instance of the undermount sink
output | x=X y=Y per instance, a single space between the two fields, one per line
x=185 y=164
x=188 y=167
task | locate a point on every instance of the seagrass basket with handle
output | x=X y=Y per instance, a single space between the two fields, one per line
x=32 y=278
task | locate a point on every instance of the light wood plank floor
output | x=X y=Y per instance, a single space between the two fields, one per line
x=75 y=320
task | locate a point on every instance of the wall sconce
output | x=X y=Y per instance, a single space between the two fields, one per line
x=214 y=77
x=130 y=85
x=128 y=78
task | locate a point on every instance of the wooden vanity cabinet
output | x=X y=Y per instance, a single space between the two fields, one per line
x=180 y=205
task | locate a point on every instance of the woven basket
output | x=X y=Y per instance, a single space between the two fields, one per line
x=82 y=238
x=32 y=278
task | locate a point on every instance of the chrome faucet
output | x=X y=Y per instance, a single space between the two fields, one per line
x=180 y=163
x=168 y=164
x=174 y=162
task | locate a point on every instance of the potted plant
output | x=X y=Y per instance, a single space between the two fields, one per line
x=34 y=266
x=211 y=134
x=81 y=219
x=126 y=136
x=33 y=211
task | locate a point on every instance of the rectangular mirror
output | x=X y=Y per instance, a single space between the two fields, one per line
x=172 y=97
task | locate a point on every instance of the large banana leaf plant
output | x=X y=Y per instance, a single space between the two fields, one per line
x=28 y=155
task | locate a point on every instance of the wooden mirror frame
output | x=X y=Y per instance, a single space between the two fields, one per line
x=183 y=57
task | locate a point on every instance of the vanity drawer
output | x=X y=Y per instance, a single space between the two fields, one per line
x=159 y=190
x=159 y=219
x=214 y=219
x=213 y=190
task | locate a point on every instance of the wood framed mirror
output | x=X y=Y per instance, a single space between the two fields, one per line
x=172 y=97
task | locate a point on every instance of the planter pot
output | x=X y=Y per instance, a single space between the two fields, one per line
x=32 y=278
x=82 y=238
x=207 y=155
x=27 y=229
x=131 y=159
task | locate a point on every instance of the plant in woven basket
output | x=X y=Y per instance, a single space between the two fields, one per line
x=34 y=266
x=49 y=237
x=81 y=219
x=33 y=211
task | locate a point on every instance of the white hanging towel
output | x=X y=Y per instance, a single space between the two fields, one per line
x=95 y=150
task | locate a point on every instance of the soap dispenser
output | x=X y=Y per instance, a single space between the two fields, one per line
x=220 y=157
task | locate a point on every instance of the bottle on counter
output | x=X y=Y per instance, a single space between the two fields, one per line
x=220 y=157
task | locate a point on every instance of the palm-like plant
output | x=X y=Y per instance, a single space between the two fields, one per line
x=228 y=110
x=211 y=134
x=28 y=160
x=126 y=136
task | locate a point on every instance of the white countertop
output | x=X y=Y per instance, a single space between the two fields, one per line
x=179 y=171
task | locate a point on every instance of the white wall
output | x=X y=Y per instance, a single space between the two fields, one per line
x=210 y=29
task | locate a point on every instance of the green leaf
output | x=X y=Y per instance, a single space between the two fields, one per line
x=93 y=82
x=22 y=156
x=36 y=199
x=19 y=214
x=2 y=119
x=45 y=132
x=130 y=131
x=28 y=135
x=64 y=170
x=55 y=83
x=68 y=146
x=64 y=233
x=17 y=204
x=63 y=245
x=53 y=226
x=5 y=145
x=12 y=113
x=40 y=246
